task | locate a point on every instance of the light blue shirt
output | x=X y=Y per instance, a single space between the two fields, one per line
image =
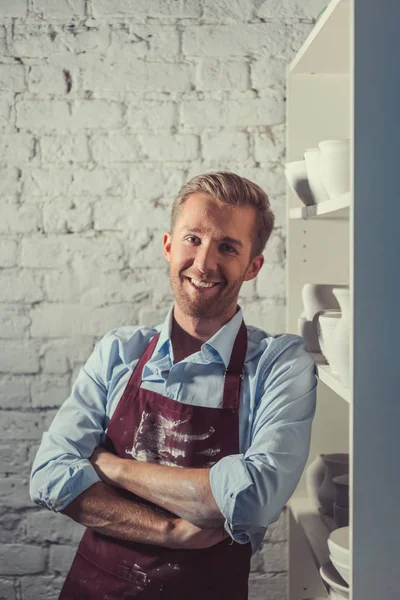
x=277 y=406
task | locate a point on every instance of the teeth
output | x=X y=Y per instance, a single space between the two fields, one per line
x=201 y=283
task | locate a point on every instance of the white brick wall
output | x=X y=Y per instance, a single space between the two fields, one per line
x=106 y=108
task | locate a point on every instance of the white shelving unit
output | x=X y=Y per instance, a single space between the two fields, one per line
x=344 y=83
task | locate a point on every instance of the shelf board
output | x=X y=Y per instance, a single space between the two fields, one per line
x=338 y=208
x=316 y=526
x=325 y=375
x=327 y=48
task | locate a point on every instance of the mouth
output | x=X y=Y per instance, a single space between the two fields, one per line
x=202 y=285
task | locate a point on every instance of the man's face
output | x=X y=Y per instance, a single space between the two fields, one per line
x=216 y=241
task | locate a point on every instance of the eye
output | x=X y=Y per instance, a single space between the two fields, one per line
x=192 y=239
x=229 y=249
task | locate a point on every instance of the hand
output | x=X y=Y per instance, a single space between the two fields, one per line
x=107 y=465
x=185 y=535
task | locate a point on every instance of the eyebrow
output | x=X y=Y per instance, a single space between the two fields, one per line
x=226 y=238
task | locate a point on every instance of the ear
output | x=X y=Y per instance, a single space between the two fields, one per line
x=167 y=241
x=254 y=267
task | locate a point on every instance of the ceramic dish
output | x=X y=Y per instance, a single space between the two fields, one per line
x=334 y=580
x=339 y=544
x=343 y=570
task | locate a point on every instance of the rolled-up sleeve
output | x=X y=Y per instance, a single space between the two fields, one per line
x=251 y=489
x=61 y=469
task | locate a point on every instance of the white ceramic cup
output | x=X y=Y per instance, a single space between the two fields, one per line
x=312 y=156
x=335 y=166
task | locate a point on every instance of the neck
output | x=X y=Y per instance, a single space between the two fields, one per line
x=189 y=333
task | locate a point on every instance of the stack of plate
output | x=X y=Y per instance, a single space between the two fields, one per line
x=337 y=572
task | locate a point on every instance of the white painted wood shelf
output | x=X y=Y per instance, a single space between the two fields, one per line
x=316 y=527
x=330 y=379
x=338 y=208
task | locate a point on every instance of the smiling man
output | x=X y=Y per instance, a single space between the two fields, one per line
x=180 y=444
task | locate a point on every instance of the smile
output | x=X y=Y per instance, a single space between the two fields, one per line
x=203 y=284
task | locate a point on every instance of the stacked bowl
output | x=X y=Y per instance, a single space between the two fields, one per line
x=337 y=573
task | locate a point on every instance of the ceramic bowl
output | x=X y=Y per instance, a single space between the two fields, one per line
x=312 y=158
x=343 y=570
x=335 y=581
x=327 y=321
x=339 y=545
x=335 y=166
x=341 y=492
x=341 y=515
x=296 y=176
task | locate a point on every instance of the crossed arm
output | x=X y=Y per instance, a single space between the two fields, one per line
x=165 y=506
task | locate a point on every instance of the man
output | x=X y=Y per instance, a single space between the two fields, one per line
x=230 y=405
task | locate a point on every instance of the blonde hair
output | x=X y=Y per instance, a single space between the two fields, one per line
x=232 y=190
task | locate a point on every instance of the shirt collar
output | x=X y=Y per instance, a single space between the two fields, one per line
x=221 y=342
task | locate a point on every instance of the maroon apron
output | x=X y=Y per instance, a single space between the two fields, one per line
x=151 y=427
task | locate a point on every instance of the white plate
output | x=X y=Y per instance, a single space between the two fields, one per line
x=334 y=580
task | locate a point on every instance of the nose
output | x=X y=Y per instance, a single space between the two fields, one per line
x=206 y=258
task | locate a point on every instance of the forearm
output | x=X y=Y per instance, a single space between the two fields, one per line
x=105 y=510
x=185 y=492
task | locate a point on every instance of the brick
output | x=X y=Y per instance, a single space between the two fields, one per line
x=67 y=215
x=289 y=9
x=156 y=8
x=44 y=525
x=215 y=74
x=148 y=115
x=112 y=216
x=297 y=34
x=232 y=113
x=64 y=149
x=274 y=557
x=41 y=587
x=278 y=531
x=16 y=8
x=267 y=315
x=12 y=77
x=274 y=252
x=13 y=458
x=116 y=148
x=273 y=587
x=14 y=492
x=224 y=146
x=49 y=79
x=234 y=40
x=156 y=183
x=174 y=148
x=61 y=557
x=5 y=113
x=8 y=253
x=65 y=286
x=144 y=41
x=146 y=248
x=22 y=559
x=22 y=425
x=60 y=320
x=227 y=11
x=19 y=357
x=55 y=115
x=20 y=286
x=269 y=178
x=271 y=281
x=7 y=589
x=50 y=9
x=270 y=145
x=137 y=75
x=12 y=526
x=16 y=148
x=59 y=355
x=268 y=72
x=9 y=182
x=57 y=251
x=18 y=218
x=50 y=391
x=58 y=182
x=13 y=321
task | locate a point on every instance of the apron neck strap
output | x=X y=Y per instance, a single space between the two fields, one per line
x=233 y=374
